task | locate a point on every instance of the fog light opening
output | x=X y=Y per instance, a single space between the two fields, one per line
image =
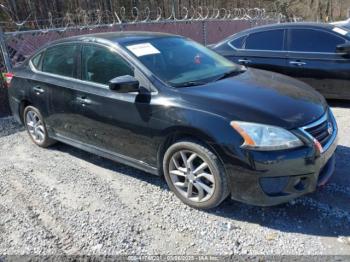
x=300 y=184
x=274 y=186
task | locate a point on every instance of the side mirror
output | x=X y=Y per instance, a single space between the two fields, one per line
x=343 y=49
x=124 y=84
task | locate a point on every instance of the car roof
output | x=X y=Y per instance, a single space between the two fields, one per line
x=116 y=37
x=288 y=25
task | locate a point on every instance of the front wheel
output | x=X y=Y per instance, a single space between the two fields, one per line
x=35 y=125
x=195 y=174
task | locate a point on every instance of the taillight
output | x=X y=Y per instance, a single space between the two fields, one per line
x=8 y=78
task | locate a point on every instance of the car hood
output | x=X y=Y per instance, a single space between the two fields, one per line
x=261 y=97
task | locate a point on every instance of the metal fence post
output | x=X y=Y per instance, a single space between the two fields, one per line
x=174 y=8
x=205 y=32
x=4 y=52
x=6 y=67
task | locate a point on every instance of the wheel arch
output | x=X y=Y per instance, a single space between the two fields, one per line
x=175 y=134
x=23 y=104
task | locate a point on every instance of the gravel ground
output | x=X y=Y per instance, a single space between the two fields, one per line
x=65 y=201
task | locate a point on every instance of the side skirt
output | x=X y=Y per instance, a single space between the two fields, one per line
x=107 y=154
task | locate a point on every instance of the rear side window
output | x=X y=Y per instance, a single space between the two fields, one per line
x=101 y=65
x=60 y=60
x=36 y=61
x=269 y=40
x=238 y=43
x=309 y=40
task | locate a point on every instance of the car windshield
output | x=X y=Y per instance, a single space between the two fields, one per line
x=181 y=62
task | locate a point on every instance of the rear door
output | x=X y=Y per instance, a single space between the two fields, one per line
x=312 y=58
x=59 y=68
x=264 y=50
x=52 y=84
x=36 y=87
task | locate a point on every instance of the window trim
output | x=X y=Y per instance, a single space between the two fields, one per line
x=232 y=40
x=153 y=91
x=41 y=54
x=64 y=77
x=286 y=42
x=310 y=52
x=67 y=78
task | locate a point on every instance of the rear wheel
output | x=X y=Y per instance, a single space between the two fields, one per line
x=195 y=175
x=36 y=128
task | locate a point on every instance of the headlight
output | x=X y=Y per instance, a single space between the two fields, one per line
x=265 y=137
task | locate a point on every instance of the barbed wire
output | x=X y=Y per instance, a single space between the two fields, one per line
x=83 y=19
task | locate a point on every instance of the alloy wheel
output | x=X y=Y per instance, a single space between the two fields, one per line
x=35 y=127
x=192 y=176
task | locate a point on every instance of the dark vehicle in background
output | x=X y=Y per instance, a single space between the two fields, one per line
x=169 y=106
x=318 y=54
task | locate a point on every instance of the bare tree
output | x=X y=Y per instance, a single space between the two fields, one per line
x=316 y=10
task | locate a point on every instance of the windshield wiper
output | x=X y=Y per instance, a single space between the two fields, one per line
x=189 y=83
x=230 y=74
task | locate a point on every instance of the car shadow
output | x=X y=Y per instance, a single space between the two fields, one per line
x=9 y=126
x=323 y=213
x=338 y=103
x=110 y=165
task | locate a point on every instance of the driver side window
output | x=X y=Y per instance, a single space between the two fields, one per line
x=100 y=65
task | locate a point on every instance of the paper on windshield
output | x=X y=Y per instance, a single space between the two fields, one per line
x=340 y=31
x=143 y=49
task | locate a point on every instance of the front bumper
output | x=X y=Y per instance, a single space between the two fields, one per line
x=272 y=178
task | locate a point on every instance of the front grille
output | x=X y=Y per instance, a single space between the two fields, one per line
x=322 y=130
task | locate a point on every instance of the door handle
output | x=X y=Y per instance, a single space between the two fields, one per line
x=244 y=61
x=83 y=100
x=38 y=90
x=297 y=63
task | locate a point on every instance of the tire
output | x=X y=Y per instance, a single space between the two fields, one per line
x=204 y=173
x=36 y=128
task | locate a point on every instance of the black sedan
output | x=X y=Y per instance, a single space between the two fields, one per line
x=318 y=54
x=171 y=107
